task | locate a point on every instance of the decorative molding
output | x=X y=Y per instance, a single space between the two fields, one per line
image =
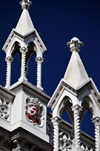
x=56 y=120
x=76 y=108
x=66 y=143
x=4 y=109
x=23 y=50
x=25 y=4
x=34 y=111
x=96 y=121
x=24 y=145
x=39 y=41
x=17 y=145
x=39 y=60
x=29 y=142
x=75 y=44
x=9 y=59
x=8 y=41
x=86 y=148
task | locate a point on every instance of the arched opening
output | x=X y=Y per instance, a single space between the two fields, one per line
x=31 y=63
x=65 y=117
x=65 y=110
x=87 y=126
x=16 y=49
x=66 y=113
x=86 y=116
x=16 y=64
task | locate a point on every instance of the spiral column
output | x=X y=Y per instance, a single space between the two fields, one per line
x=23 y=51
x=96 y=122
x=76 y=110
x=55 y=122
x=39 y=61
x=8 y=72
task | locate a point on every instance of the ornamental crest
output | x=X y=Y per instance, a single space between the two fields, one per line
x=34 y=111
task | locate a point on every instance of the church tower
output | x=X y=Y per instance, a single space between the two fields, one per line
x=23 y=112
x=76 y=93
x=24 y=40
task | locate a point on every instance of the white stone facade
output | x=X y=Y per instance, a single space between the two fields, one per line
x=25 y=123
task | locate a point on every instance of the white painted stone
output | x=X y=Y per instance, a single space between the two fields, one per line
x=25 y=25
x=75 y=74
x=24 y=34
x=77 y=87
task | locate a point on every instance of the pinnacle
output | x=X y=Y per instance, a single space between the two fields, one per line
x=25 y=4
x=75 y=74
x=75 y=44
x=25 y=24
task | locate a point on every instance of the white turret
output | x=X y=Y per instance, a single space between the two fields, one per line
x=26 y=108
x=24 y=40
x=76 y=93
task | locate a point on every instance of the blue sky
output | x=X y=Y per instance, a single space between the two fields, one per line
x=57 y=21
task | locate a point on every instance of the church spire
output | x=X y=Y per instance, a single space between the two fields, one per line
x=75 y=74
x=24 y=40
x=25 y=4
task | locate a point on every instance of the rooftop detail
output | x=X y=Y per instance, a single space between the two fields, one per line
x=25 y=4
x=75 y=74
x=25 y=41
x=25 y=25
x=75 y=44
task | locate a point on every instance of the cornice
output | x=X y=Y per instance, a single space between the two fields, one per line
x=24 y=135
x=7 y=93
x=33 y=34
x=8 y=41
x=29 y=88
x=63 y=85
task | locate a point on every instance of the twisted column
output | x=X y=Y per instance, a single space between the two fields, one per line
x=8 y=72
x=23 y=51
x=55 y=122
x=76 y=109
x=39 y=61
x=96 y=122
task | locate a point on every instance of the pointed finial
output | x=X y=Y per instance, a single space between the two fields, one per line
x=25 y=4
x=75 y=44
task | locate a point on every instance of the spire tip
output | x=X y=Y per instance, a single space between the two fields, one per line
x=75 y=44
x=25 y=4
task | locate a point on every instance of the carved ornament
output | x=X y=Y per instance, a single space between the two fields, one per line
x=4 y=109
x=34 y=111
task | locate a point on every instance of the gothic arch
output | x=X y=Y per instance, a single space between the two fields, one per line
x=65 y=105
x=58 y=104
x=87 y=105
x=31 y=50
x=16 y=49
x=38 y=49
x=14 y=46
x=87 y=112
x=16 y=67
